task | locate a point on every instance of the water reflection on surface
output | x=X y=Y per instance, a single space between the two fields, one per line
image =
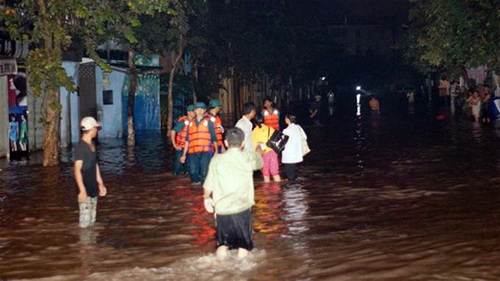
x=378 y=199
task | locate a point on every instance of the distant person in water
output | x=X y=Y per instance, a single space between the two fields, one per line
x=331 y=102
x=410 y=96
x=215 y=107
x=245 y=124
x=293 y=153
x=178 y=137
x=485 y=108
x=315 y=110
x=229 y=191
x=474 y=102
x=260 y=136
x=87 y=173
x=374 y=105
x=270 y=114
x=201 y=144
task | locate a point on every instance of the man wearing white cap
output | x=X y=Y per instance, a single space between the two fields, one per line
x=87 y=173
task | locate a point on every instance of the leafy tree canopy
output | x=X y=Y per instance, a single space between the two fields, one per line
x=452 y=34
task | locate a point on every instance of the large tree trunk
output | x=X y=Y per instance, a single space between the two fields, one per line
x=52 y=107
x=177 y=59
x=51 y=138
x=131 y=98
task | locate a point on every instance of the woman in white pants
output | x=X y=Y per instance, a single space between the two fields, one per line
x=292 y=154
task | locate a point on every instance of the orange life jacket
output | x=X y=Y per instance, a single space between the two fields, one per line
x=271 y=119
x=219 y=130
x=180 y=137
x=200 y=139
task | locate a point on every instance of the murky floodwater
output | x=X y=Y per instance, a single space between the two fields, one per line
x=379 y=199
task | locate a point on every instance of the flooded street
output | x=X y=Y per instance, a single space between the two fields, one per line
x=378 y=199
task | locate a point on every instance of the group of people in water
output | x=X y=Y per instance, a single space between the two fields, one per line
x=477 y=102
x=478 y=105
x=199 y=135
x=222 y=160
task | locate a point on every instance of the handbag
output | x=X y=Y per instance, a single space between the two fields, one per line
x=277 y=141
x=305 y=145
x=305 y=148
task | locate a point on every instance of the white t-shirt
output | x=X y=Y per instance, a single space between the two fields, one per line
x=246 y=126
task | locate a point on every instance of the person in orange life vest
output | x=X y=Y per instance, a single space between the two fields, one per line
x=178 y=138
x=271 y=115
x=201 y=142
x=214 y=107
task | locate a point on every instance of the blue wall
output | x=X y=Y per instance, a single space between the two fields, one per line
x=147 y=103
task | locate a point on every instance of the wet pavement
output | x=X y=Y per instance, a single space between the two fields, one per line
x=391 y=198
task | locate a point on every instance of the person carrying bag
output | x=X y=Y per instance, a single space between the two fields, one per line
x=295 y=147
x=262 y=136
x=277 y=141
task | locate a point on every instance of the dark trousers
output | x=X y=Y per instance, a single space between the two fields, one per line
x=291 y=173
x=198 y=165
x=179 y=168
x=235 y=231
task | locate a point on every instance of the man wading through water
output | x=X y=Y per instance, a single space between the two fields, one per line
x=201 y=143
x=270 y=114
x=230 y=183
x=87 y=173
x=214 y=108
x=178 y=137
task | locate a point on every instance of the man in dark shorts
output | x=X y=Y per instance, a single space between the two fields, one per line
x=230 y=183
x=87 y=173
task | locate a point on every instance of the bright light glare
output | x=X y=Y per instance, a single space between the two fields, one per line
x=358 y=104
x=323 y=78
x=358 y=88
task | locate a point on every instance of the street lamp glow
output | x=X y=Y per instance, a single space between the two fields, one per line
x=323 y=78
x=358 y=88
x=358 y=103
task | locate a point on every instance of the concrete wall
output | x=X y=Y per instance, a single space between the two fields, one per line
x=110 y=115
x=4 y=119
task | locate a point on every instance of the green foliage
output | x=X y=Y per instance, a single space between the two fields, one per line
x=129 y=23
x=46 y=72
x=452 y=34
x=56 y=107
x=50 y=26
x=46 y=26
